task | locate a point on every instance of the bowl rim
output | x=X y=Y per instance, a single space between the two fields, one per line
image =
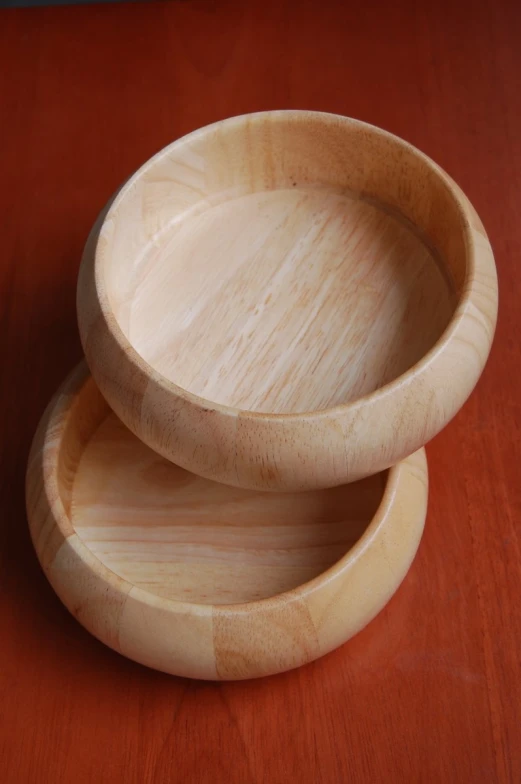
x=480 y=267
x=44 y=458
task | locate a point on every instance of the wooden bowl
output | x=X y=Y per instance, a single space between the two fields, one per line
x=200 y=579
x=287 y=301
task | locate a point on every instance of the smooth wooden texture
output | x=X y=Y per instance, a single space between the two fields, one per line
x=287 y=300
x=430 y=691
x=198 y=579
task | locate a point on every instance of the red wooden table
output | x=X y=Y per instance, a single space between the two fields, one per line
x=430 y=691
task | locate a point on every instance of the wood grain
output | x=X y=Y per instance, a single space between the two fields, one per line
x=182 y=537
x=277 y=301
x=430 y=691
x=312 y=300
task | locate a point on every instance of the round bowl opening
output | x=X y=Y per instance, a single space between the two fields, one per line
x=185 y=538
x=284 y=265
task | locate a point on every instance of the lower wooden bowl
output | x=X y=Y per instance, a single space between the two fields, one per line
x=200 y=579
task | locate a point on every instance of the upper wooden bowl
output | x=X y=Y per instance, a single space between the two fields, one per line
x=199 y=579
x=287 y=301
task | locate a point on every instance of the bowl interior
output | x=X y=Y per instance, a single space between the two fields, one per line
x=282 y=266
x=183 y=537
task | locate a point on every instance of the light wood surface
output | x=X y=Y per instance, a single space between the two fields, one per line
x=429 y=691
x=198 y=579
x=279 y=300
x=286 y=301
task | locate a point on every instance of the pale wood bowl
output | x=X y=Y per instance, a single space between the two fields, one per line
x=287 y=301
x=200 y=579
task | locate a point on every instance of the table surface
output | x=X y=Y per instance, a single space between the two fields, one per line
x=430 y=691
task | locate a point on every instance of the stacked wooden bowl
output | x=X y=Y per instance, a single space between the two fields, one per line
x=278 y=311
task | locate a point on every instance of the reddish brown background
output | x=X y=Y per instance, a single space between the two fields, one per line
x=430 y=692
